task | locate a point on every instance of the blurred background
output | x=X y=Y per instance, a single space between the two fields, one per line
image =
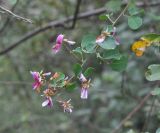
x=113 y=95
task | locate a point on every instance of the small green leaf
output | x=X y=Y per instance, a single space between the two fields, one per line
x=156 y=92
x=88 y=71
x=153 y=72
x=103 y=17
x=78 y=50
x=134 y=22
x=151 y=37
x=70 y=87
x=133 y=10
x=119 y=65
x=111 y=54
x=88 y=43
x=109 y=43
x=114 y=5
x=77 y=69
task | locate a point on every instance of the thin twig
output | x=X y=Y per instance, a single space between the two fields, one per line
x=50 y=25
x=15 y=15
x=133 y=112
x=74 y=55
x=121 y=14
x=8 y=18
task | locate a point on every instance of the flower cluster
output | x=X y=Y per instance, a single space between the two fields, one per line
x=50 y=85
x=54 y=84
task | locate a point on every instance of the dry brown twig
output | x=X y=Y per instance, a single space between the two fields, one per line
x=5 y=10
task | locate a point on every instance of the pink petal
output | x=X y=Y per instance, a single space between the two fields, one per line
x=82 y=78
x=45 y=103
x=117 y=40
x=59 y=39
x=100 y=39
x=84 y=93
x=56 y=48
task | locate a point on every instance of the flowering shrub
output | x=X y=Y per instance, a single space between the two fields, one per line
x=106 y=47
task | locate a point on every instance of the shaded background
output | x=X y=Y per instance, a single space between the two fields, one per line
x=113 y=95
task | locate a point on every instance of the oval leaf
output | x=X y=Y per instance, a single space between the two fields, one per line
x=88 y=71
x=134 y=22
x=153 y=72
x=77 y=69
x=88 y=43
x=109 y=43
x=111 y=54
x=119 y=65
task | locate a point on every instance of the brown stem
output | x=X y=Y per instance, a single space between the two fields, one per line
x=132 y=113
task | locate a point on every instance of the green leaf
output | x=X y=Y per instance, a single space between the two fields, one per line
x=88 y=71
x=134 y=22
x=109 y=43
x=153 y=72
x=151 y=37
x=111 y=54
x=103 y=17
x=133 y=10
x=114 y=5
x=119 y=65
x=77 y=51
x=156 y=92
x=77 y=69
x=70 y=87
x=88 y=43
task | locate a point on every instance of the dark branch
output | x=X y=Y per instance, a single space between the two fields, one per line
x=133 y=112
x=76 y=13
x=60 y=23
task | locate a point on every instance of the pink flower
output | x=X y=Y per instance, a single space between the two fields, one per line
x=82 y=78
x=59 y=39
x=84 y=93
x=48 y=102
x=56 y=48
x=85 y=84
x=100 y=39
x=117 y=40
x=37 y=80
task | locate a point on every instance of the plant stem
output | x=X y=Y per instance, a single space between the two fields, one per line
x=122 y=13
x=74 y=55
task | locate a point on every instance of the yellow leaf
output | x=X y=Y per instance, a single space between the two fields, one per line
x=139 y=47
